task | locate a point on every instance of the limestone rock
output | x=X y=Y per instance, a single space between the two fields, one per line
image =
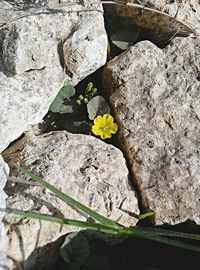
x=156 y=97
x=187 y=11
x=25 y=100
x=34 y=60
x=163 y=19
x=84 y=167
x=4 y=262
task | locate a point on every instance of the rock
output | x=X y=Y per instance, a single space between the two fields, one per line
x=186 y=11
x=156 y=97
x=162 y=19
x=84 y=167
x=82 y=49
x=25 y=100
x=5 y=263
x=34 y=59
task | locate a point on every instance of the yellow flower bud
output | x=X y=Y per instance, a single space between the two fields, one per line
x=89 y=87
x=78 y=101
x=85 y=100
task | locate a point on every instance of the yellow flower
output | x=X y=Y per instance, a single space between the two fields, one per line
x=104 y=126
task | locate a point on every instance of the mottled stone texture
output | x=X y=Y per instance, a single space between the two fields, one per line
x=163 y=19
x=156 y=97
x=188 y=11
x=84 y=167
x=41 y=52
x=4 y=262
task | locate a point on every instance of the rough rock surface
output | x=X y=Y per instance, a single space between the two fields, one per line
x=156 y=97
x=35 y=60
x=4 y=262
x=84 y=167
x=187 y=11
x=163 y=19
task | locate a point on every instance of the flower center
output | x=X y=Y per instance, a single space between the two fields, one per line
x=104 y=127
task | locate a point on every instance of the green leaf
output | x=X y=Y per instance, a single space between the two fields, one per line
x=176 y=243
x=142 y=216
x=126 y=36
x=97 y=106
x=65 y=93
x=163 y=232
x=68 y=199
x=75 y=250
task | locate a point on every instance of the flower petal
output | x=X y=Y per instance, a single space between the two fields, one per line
x=107 y=119
x=98 y=120
x=113 y=128
x=96 y=130
x=106 y=135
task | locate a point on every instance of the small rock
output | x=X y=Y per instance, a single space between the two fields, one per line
x=156 y=97
x=82 y=166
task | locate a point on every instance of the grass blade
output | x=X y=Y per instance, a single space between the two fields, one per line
x=162 y=237
x=176 y=243
x=63 y=221
x=103 y=220
x=142 y=216
x=167 y=233
x=137 y=232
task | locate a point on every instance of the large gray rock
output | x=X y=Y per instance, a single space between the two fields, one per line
x=84 y=167
x=4 y=262
x=156 y=97
x=40 y=53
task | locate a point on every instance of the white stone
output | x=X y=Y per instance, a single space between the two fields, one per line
x=156 y=97
x=84 y=167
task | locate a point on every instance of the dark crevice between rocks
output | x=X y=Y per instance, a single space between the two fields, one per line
x=7 y=65
x=120 y=142
x=3 y=66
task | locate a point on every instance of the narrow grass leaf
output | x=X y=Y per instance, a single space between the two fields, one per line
x=176 y=243
x=142 y=216
x=152 y=234
x=167 y=233
x=64 y=221
x=137 y=232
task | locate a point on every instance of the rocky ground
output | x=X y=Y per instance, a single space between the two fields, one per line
x=153 y=90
